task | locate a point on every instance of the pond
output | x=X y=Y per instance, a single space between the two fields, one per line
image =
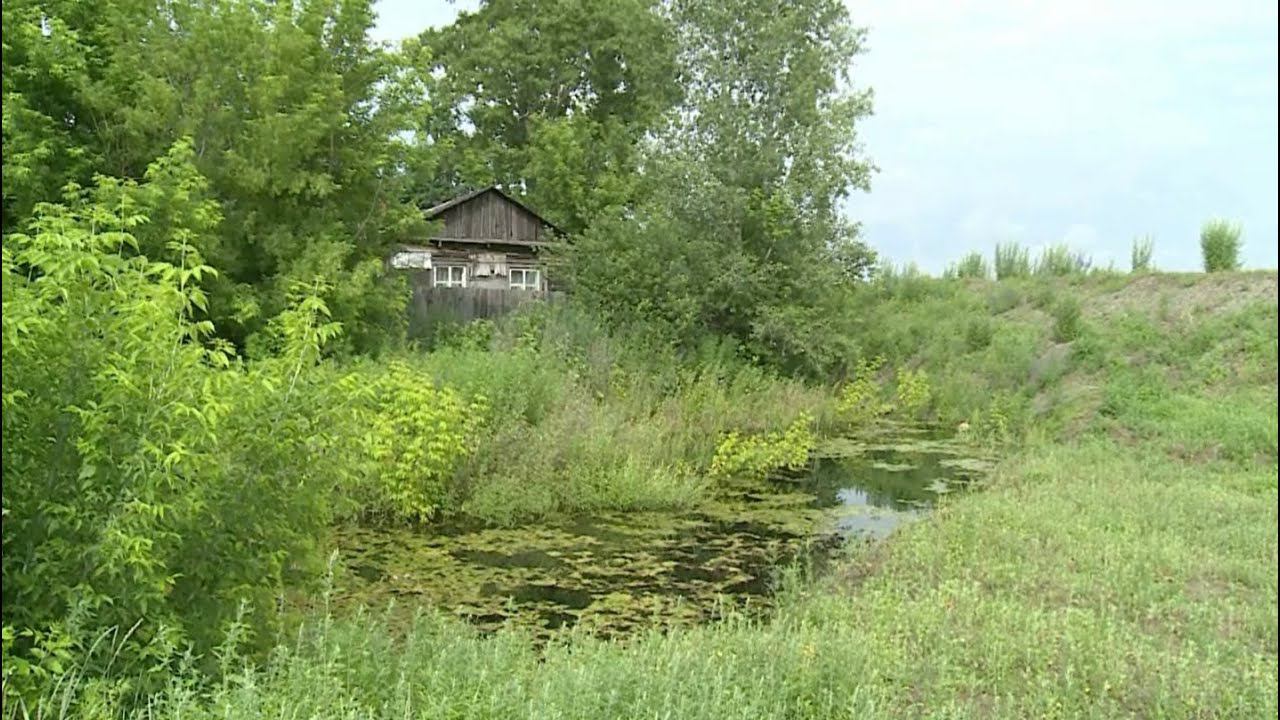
x=615 y=573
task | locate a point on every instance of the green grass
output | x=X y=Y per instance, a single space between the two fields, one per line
x=580 y=421
x=1121 y=562
x=1096 y=580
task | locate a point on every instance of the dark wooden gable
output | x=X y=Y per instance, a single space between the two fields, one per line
x=489 y=216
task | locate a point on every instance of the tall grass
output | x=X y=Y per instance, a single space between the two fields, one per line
x=1061 y=261
x=582 y=421
x=1066 y=320
x=1012 y=261
x=1140 y=254
x=973 y=265
x=1220 y=245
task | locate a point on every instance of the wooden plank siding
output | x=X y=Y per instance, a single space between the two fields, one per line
x=433 y=307
x=492 y=235
x=490 y=217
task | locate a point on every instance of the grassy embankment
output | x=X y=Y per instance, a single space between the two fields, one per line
x=1122 y=561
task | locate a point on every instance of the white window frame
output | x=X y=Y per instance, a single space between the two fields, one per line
x=448 y=280
x=524 y=283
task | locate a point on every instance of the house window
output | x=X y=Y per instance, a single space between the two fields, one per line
x=524 y=279
x=450 y=276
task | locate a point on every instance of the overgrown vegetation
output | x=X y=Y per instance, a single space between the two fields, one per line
x=205 y=370
x=1140 y=254
x=1220 y=245
x=1170 y=538
x=1060 y=260
x=973 y=265
x=1012 y=261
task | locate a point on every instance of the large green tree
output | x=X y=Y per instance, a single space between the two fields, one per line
x=549 y=98
x=283 y=102
x=739 y=231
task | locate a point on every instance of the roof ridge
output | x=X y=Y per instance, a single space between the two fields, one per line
x=435 y=210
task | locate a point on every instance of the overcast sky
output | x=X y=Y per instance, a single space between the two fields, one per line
x=1087 y=122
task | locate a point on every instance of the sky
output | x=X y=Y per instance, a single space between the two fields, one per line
x=1084 y=122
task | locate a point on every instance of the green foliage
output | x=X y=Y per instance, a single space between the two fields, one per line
x=293 y=133
x=979 y=333
x=718 y=261
x=134 y=446
x=1066 y=319
x=912 y=391
x=1003 y=298
x=736 y=231
x=1012 y=261
x=973 y=265
x=859 y=401
x=474 y=335
x=1062 y=261
x=755 y=455
x=1141 y=253
x=557 y=112
x=1220 y=245
x=416 y=437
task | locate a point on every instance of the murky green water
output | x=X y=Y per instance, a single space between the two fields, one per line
x=615 y=573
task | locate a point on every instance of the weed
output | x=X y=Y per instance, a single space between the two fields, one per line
x=1066 y=319
x=754 y=455
x=913 y=391
x=973 y=265
x=1061 y=261
x=860 y=398
x=978 y=333
x=1220 y=245
x=1012 y=261
x=1140 y=254
x=1003 y=298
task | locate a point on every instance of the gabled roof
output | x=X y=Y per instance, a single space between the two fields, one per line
x=436 y=211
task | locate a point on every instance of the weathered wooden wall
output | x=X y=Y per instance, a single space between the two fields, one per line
x=491 y=217
x=431 y=307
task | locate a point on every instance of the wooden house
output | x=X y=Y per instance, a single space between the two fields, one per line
x=486 y=240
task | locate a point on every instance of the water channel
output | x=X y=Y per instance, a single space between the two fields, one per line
x=613 y=574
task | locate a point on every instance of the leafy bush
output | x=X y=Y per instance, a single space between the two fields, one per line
x=1002 y=299
x=978 y=333
x=740 y=455
x=415 y=438
x=1066 y=320
x=1012 y=261
x=859 y=401
x=151 y=481
x=1220 y=245
x=1140 y=254
x=913 y=391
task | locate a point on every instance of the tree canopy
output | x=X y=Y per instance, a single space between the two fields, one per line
x=697 y=152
